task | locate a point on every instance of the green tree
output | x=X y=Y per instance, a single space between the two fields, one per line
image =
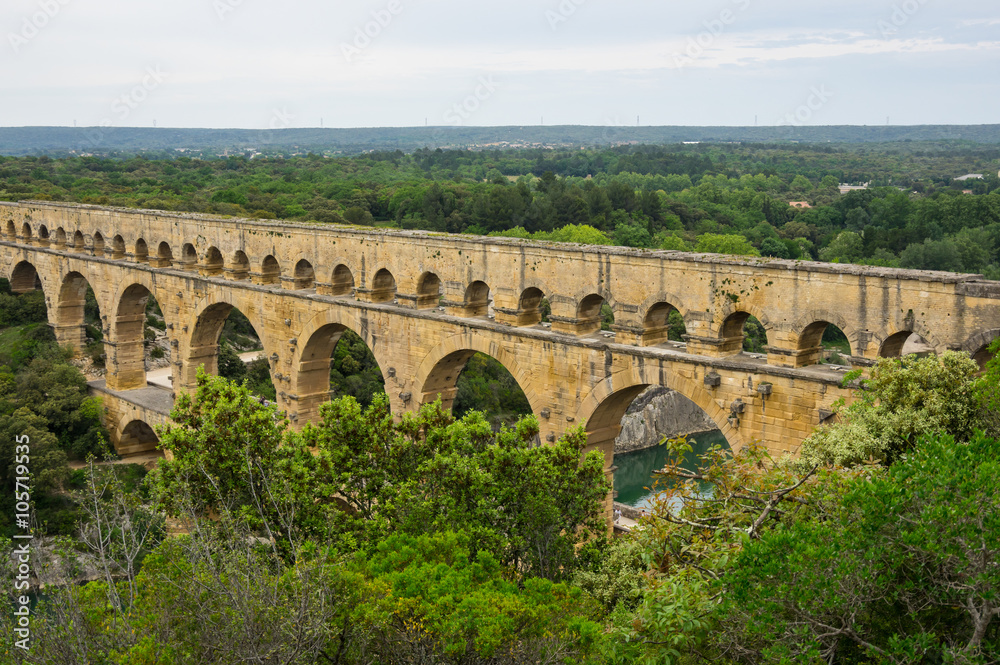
x=725 y=244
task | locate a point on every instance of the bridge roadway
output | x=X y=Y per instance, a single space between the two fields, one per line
x=425 y=303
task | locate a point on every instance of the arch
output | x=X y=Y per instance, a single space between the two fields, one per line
x=11 y=231
x=141 y=251
x=893 y=345
x=270 y=271
x=70 y=319
x=118 y=248
x=136 y=437
x=477 y=299
x=342 y=282
x=24 y=278
x=164 y=255
x=26 y=232
x=240 y=268
x=656 y=323
x=732 y=332
x=428 y=291
x=43 y=235
x=213 y=264
x=79 y=242
x=189 y=257
x=383 y=287
x=60 y=239
x=437 y=375
x=588 y=314
x=129 y=357
x=305 y=276
x=977 y=346
x=98 y=244
x=810 y=343
x=529 y=311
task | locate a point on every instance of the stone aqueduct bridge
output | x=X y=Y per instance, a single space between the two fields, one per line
x=421 y=302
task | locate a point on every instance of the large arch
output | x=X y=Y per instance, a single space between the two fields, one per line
x=977 y=346
x=69 y=317
x=25 y=277
x=136 y=437
x=206 y=333
x=127 y=369
x=437 y=375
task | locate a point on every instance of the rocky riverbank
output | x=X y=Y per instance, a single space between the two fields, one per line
x=657 y=413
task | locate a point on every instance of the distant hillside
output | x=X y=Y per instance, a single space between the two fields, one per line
x=63 y=140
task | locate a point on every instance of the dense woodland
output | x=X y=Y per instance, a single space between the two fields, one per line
x=453 y=538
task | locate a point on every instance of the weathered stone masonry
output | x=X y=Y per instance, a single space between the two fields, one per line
x=421 y=302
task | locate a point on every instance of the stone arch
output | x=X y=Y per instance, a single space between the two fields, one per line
x=588 y=314
x=141 y=251
x=270 y=270
x=25 y=277
x=164 y=255
x=437 y=375
x=342 y=282
x=11 y=231
x=977 y=346
x=312 y=380
x=189 y=257
x=892 y=346
x=118 y=247
x=529 y=306
x=656 y=323
x=477 y=299
x=731 y=330
x=70 y=323
x=98 y=244
x=240 y=268
x=428 y=290
x=127 y=367
x=26 y=232
x=809 y=346
x=305 y=276
x=383 y=286
x=79 y=242
x=203 y=344
x=43 y=235
x=213 y=264
x=60 y=238
x=136 y=437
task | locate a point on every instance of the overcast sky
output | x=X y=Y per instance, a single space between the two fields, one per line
x=260 y=63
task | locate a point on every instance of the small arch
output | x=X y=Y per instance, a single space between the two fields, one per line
x=529 y=307
x=164 y=256
x=383 y=287
x=79 y=242
x=978 y=346
x=305 y=276
x=270 y=271
x=589 y=314
x=213 y=264
x=60 y=238
x=189 y=257
x=477 y=299
x=98 y=244
x=905 y=342
x=659 y=324
x=141 y=251
x=43 y=235
x=343 y=281
x=428 y=291
x=136 y=437
x=240 y=268
x=118 y=247
x=24 y=278
x=11 y=230
x=815 y=339
x=26 y=232
x=741 y=331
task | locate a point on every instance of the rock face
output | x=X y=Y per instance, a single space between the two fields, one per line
x=658 y=413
